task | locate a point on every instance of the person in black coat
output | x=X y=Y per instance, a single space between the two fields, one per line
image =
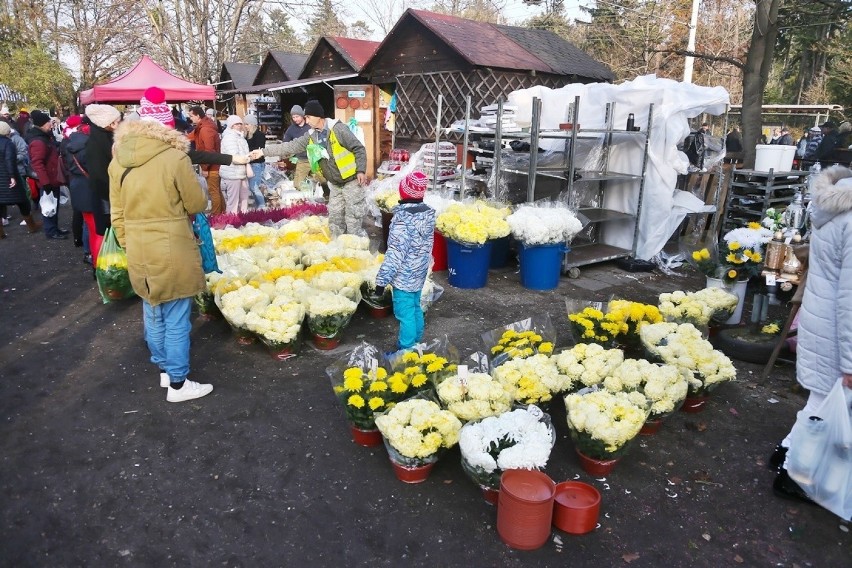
x=103 y=120
x=12 y=185
x=83 y=197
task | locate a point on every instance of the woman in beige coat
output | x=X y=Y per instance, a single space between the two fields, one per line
x=153 y=191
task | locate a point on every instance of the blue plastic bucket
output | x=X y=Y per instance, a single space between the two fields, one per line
x=467 y=265
x=541 y=266
x=499 y=252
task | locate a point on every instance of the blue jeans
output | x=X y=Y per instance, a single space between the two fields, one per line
x=167 y=328
x=254 y=185
x=406 y=308
x=86 y=247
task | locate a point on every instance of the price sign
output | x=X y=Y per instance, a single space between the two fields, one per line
x=770 y=280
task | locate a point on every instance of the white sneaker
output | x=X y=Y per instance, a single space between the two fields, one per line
x=165 y=381
x=188 y=391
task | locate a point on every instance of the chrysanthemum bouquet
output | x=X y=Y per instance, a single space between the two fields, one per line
x=720 y=301
x=363 y=394
x=602 y=423
x=632 y=316
x=590 y=324
x=664 y=386
x=742 y=251
x=387 y=199
x=112 y=275
x=519 y=345
x=682 y=346
x=473 y=396
x=371 y=294
x=586 y=365
x=543 y=224
x=680 y=307
x=533 y=380
x=520 y=439
x=473 y=222
x=328 y=313
x=417 y=371
x=416 y=430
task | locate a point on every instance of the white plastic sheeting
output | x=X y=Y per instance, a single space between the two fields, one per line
x=664 y=207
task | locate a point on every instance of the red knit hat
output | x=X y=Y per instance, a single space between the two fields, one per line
x=153 y=106
x=73 y=121
x=413 y=186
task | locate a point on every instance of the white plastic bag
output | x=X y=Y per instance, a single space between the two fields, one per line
x=820 y=455
x=48 y=204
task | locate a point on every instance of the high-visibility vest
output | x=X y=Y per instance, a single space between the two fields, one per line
x=344 y=159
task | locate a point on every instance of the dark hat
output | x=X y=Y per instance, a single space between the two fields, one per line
x=828 y=124
x=39 y=118
x=314 y=108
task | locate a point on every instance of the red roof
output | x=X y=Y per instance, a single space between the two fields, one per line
x=129 y=86
x=359 y=50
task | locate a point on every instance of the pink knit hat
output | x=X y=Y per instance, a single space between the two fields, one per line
x=413 y=186
x=153 y=106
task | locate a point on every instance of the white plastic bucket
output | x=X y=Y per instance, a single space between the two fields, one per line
x=774 y=157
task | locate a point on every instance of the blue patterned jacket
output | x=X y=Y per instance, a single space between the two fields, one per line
x=409 y=253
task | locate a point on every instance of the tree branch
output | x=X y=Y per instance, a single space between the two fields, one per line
x=735 y=62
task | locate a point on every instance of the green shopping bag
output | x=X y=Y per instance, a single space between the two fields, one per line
x=315 y=154
x=111 y=270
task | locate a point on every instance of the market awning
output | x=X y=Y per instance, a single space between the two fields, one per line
x=295 y=83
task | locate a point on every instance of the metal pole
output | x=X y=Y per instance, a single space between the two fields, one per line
x=690 y=45
x=535 y=129
x=498 y=146
x=437 y=140
x=462 y=187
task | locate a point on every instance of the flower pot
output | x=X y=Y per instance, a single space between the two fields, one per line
x=325 y=343
x=491 y=496
x=525 y=508
x=412 y=474
x=576 y=507
x=651 y=427
x=596 y=467
x=738 y=289
x=244 y=336
x=113 y=294
x=694 y=403
x=366 y=438
x=379 y=313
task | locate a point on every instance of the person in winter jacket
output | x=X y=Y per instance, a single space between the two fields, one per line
x=256 y=141
x=153 y=190
x=299 y=128
x=46 y=163
x=205 y=137
x=409 y=257
x=104 y=120
x=83 y=196
x=824 y=349
x=343 y=164
x=12 y=186
x=234 y=179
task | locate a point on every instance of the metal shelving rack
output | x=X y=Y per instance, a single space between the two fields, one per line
x=594 y=251
x=753 y=192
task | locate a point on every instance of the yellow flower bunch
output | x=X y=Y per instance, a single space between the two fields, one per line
x=770 y=328
x=473 y=223
x=633 y=315
x=386 y=200
x=112 y=260
x=363 y=394
x=602 y=422
x=521 y=344
x=230 y=244
x=591 y=325
x=424 y=370
x=417 y=428
x=293 y=238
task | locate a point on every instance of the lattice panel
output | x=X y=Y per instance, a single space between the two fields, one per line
x=417 y=97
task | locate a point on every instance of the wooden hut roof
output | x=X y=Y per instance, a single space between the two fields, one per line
x=335 y=55
x=240 y=75
x=482 y=44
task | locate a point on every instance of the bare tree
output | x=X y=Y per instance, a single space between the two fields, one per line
x=383 y=14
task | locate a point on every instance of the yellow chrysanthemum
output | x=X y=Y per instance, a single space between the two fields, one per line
x=754 y=225
x=356 y=400
x=732 y=274
x=734 y=245
x=376 y=403
x=418 y=380
x=378 y=386
x=353 y=383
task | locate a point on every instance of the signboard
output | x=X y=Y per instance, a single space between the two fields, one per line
x=357 y=94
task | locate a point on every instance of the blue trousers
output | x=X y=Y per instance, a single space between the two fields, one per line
x=254 y=185
x=406 y=308
x=167 y=329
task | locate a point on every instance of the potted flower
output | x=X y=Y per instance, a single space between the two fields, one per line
x=632 y=316
x=533 y=380
x=415 y=432
x=602 y=424
x=236 y=301
x=519 y=439
x=587 y=364
x=112 y=276
x=682 y=346
x=664 y=388
x=328 y=314
x=543 y=231
x=278 y=326
x=363 y=394
x=590 y=324
x=421 y=368
x=519 y=345
x=473 y=396
x=379 y=300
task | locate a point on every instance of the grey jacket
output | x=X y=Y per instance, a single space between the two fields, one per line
x=327 y=166
x=825 y=319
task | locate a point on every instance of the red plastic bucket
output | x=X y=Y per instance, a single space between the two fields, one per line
x=525 y=508
x=576 y=507
x=439 y=252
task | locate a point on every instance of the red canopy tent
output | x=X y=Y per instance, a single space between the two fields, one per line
x=129 y=86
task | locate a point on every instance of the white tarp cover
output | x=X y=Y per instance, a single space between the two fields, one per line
x=664 y=207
